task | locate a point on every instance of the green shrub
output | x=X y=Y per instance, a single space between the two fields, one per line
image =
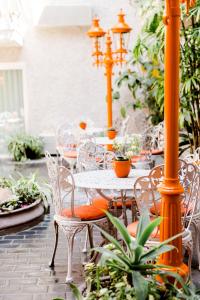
x=23 y=147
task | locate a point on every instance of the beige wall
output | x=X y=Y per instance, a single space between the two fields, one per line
x=61 y=83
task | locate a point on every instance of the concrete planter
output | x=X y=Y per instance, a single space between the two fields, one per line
x=21 y=218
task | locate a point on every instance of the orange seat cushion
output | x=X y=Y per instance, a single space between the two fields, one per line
x=132 y=229
x=153 y=151
x=101 y=202
x=70 y=154
x=85 y=212
x=153 y=210
x=137 y=158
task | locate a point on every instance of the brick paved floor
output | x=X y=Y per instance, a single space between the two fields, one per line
x=24 y=257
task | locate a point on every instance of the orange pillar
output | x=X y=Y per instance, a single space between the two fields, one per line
x=108 y=62
x=171 y=188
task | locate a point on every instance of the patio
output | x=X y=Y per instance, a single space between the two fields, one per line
x=24 y=259
x=103 y=194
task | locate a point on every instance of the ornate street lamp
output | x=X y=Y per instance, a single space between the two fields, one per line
x=171 y=188
x=109 y=58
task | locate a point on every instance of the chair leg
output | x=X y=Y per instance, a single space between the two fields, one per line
x=189 y=250
x=86 y=241
x=70 y=242
x=51 y=264
x=90 y=235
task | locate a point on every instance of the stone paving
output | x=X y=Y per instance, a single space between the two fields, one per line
x=24 y=257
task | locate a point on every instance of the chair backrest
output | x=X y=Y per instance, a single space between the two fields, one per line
x=93 y=157
x=194 y=158
x=192 y=205
x=66 y=187
x=52 y=168
x=144 y=194
x=157 y=174
x=124 y=126
x=153 y=137
x=189 y=178
x=62 y=183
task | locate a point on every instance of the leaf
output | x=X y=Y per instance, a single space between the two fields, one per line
x=144 y=236
x=113 y=241
x=141 y=285
x=155 y=252
x=123 y=112
x=144 y=220
x=76 y=292
x=121 y=229
x=116 y=95
x=112 y=255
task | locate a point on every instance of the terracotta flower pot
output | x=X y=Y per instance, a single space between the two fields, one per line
x=122 y=168
x=83 y=125
x=111 y=134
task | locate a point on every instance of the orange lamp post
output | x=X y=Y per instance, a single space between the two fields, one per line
x=109 y=58
x=171 y=188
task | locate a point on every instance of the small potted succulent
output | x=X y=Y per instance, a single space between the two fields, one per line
x=123 y=154
x=111 y=133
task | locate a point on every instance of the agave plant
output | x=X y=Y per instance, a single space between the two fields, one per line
x=129 y=269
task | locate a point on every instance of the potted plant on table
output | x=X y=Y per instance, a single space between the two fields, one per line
x=123 y=153
x=83 y=125
x=111 y=133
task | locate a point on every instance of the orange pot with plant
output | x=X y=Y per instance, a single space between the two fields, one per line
x=122 y=167
x=83 y=125
x=111 y=133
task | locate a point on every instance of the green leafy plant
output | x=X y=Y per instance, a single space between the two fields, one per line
x=130 y=272
x=144 y=75
x=25 y=191
x=23 y=147
x=129 y=147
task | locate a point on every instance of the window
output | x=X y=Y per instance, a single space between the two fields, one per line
x=11 y=92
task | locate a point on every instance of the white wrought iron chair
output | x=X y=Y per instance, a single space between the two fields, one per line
x=153 y=140
x=186 y=172
x=73 y=219
x=194 y=158
x=66 y=145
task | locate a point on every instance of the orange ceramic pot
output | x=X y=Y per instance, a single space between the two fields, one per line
x=122 y=168
x=83 y=125
x=111 y=134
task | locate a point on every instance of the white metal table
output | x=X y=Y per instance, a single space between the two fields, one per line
x=101 y=180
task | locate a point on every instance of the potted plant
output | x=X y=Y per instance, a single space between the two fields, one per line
x=123 y=154
x=26 y=200
x=111 y=133
x=24 y=146
x=127 y=269
x=83 y=125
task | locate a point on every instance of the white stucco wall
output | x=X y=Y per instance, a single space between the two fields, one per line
x=61 y=83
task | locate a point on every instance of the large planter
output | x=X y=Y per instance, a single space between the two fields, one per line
x=122 y=168
x=21 y=218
